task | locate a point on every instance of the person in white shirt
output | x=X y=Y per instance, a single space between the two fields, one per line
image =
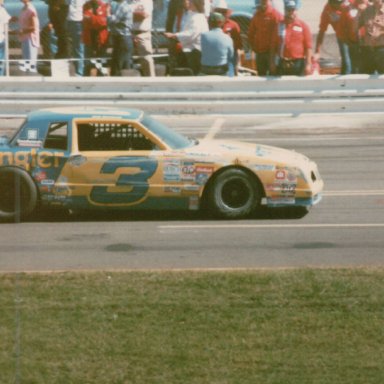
x=142 y=34
x=4 y=20
x=194 y=24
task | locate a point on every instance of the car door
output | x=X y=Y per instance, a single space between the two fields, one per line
x=114 y=163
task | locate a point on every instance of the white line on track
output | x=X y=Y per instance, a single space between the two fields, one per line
x=315 y=139
x=269 y=226
x=354 y=193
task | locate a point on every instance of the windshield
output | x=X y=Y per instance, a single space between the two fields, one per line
x=171 y=138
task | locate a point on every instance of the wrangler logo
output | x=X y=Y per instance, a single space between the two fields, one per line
x=31 y=159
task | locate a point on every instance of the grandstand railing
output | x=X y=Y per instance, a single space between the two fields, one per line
x=324 y=94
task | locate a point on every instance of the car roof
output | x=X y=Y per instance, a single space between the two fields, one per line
x=65 y=113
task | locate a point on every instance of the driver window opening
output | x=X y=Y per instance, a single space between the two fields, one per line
x=57 y=136
x=111 y=137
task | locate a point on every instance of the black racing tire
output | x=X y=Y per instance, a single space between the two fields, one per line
x=233 y=194
x=18 y=194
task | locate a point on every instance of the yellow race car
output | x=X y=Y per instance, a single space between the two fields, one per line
x=107 y=158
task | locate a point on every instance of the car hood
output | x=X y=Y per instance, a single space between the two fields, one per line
x=236 y=150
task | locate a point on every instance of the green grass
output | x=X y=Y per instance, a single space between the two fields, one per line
x=289 y=326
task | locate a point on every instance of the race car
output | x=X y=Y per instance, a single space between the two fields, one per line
x=107 y=158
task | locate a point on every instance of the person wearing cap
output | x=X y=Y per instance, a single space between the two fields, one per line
x=216 y=48
x=231 y=28
x=194 y=24
x=292 y=44
x=372 y=44
x=261 y=28
x=331 y=15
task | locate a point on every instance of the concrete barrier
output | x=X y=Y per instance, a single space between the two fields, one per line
x=200 y=95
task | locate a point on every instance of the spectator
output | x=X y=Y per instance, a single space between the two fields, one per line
x=175 y=15
x=216 y=48
x=349 y=24
x=231 y=28
x=29 y=34
x=292 y=42
x=57 y=13
x=121 y=23
x=261 y=28
x=331 y=15
x=142 y=32
x=75 y=31
x=207 y=8
x=95 y=31
x=4 y=20
x=195 y=23
x=48 y=40
x=372 y=20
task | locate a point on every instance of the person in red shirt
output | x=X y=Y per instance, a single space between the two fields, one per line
x=232 y=29
x=331 y=15
x=261 y=28
x=352 y=33
x=95 y=31
x=292 y=44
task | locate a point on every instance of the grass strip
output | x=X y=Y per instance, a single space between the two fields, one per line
x=286 y=326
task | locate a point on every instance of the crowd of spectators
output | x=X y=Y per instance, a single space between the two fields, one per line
x=202 y=38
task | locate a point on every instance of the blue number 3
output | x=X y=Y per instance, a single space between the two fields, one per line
x=138 y=182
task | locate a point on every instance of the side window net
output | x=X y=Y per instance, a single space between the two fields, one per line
x=57 y=136
x=111 y=137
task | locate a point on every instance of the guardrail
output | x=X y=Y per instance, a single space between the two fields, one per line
x=199 y=95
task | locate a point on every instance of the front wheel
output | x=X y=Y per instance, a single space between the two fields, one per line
x=233 y=194
x=18 y=193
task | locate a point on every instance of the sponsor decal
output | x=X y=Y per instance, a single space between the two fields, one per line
x=203 y=173
x=194 y=203
x=264 y=167
x=280 y=201
x=39 y=176
x=191 y=188
x=172 y=189
x=288 y=189
x=32 y=159
x=262 y=152
x=32 y=134
x=77 y=161
x=188 y=171
x=172 y=170
x=29 y=143
x=47 y=182
x=280 y=175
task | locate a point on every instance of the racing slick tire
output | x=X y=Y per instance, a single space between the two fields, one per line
x=233 y=194
x=18 y=194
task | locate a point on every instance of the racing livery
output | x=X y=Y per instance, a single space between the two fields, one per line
x=108 y=158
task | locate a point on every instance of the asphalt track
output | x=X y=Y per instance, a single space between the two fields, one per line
x=345 y=230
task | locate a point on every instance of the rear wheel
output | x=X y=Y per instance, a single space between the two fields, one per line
x=18 y=193
x=233 y=194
